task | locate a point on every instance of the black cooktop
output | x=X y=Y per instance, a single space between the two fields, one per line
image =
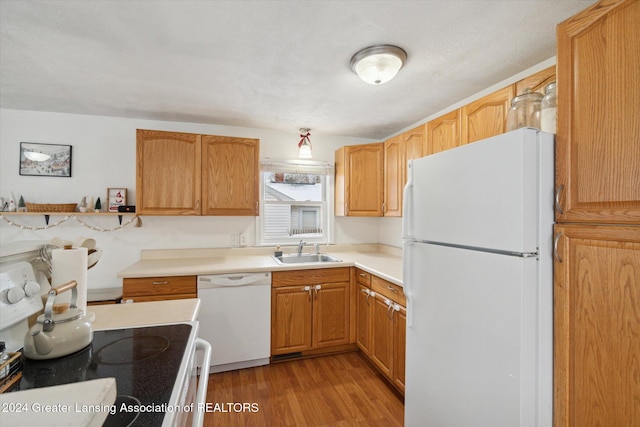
x=144 y=361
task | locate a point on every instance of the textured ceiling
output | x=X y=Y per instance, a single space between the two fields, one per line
x=265 y=64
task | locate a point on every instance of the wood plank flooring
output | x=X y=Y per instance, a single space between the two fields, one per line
x=336 y=390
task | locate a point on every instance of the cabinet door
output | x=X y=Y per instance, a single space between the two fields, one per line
x=331 y=314
x=596 y=326
x=168 y=173
x=443 y=133
x=598 y=139
x=290 y=319
x=394 y=173
x=382 y=342
x=399 y=347
x=363 y=169
x=363 y=320
x=537 y=82
x=415 y=142
x=230 y=172
x=487 y=116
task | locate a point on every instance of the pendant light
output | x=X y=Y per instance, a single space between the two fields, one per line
x=304 y=146
x=378 y=64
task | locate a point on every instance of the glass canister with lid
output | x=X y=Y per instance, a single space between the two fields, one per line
x=549 y=110
x=525 y=111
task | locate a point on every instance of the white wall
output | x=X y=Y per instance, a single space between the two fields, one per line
x=104 y=156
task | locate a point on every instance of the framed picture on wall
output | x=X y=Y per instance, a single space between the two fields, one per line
x=116 y=197
x=45 y=159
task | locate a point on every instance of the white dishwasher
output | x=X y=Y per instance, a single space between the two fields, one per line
x=235 y=317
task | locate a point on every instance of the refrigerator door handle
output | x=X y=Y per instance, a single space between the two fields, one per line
x=407 y=247
x=407 y=200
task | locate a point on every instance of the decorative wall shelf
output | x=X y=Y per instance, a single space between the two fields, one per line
x=74 y=215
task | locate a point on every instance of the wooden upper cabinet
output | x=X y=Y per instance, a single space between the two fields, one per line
x=168 y=173
x=487 y=116
x=596 y=324
x=415 y=143
x=443 y=133
x=397 y=152
x=190 y=174
x=394 y=173
x=230 y=182
x=598 y=92
x=359 y=180
x=538 y=81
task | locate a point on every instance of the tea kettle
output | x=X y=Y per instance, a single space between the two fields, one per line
x=58 y=334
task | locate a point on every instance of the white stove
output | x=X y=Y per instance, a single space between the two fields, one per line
x=19 y=299
x=153 y=366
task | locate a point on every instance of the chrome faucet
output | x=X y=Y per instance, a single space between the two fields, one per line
x=300 y=246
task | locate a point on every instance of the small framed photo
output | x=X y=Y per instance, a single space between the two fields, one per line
x=45 y=159
x=116 y=197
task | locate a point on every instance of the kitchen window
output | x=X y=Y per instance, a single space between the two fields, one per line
x=296 y=202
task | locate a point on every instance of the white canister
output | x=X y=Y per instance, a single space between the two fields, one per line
x=549 y=110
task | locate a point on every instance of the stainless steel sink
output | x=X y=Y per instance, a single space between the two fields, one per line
x=303 y=258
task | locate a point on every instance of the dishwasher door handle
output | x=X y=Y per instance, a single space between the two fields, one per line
x=233 y=280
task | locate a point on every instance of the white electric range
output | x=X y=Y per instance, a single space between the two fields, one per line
x=154 y=366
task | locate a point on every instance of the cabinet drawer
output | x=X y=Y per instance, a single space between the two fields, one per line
x=389 y=290
x=154 y=286
x=363 y=277
x=310 y=277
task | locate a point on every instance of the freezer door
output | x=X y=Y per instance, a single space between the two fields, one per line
x=496 y=193
x=478 y=353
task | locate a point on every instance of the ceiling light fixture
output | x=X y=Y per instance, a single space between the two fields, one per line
x=304 y=146
x=378 y=64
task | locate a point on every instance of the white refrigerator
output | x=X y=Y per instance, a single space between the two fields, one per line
x=478 y=275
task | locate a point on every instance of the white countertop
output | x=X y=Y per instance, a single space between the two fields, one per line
x=382 y=261
x=116 y=316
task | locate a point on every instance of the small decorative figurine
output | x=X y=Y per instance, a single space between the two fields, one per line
x=83 y=204
x=21 y=206
x=98 y=206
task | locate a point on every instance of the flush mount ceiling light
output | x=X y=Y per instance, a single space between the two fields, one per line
x=304 y=146
x=378 y=64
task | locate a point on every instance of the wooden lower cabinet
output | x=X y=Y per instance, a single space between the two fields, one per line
x=381 y=325
x=399 y=348
x=313 y=313
x=382 y=342
x=597 y=326
x=159 y=288
x=290 y=320
x=364 y=308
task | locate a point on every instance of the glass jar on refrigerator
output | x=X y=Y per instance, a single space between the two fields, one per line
x=548 y=109
x=525 y=111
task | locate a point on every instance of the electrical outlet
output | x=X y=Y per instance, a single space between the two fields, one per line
x=234 y=241
x=243 y=240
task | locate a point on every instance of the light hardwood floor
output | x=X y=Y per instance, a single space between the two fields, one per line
x=336 y=390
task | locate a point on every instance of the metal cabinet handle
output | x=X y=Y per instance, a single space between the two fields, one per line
x=367 y=292
x=164 y=282
x=198 y=205
x=556 y=255
x=363 y=275
x=392 y=289
x=257 y=208
x=558 y=206
x=307 y=289
x=316 y=289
